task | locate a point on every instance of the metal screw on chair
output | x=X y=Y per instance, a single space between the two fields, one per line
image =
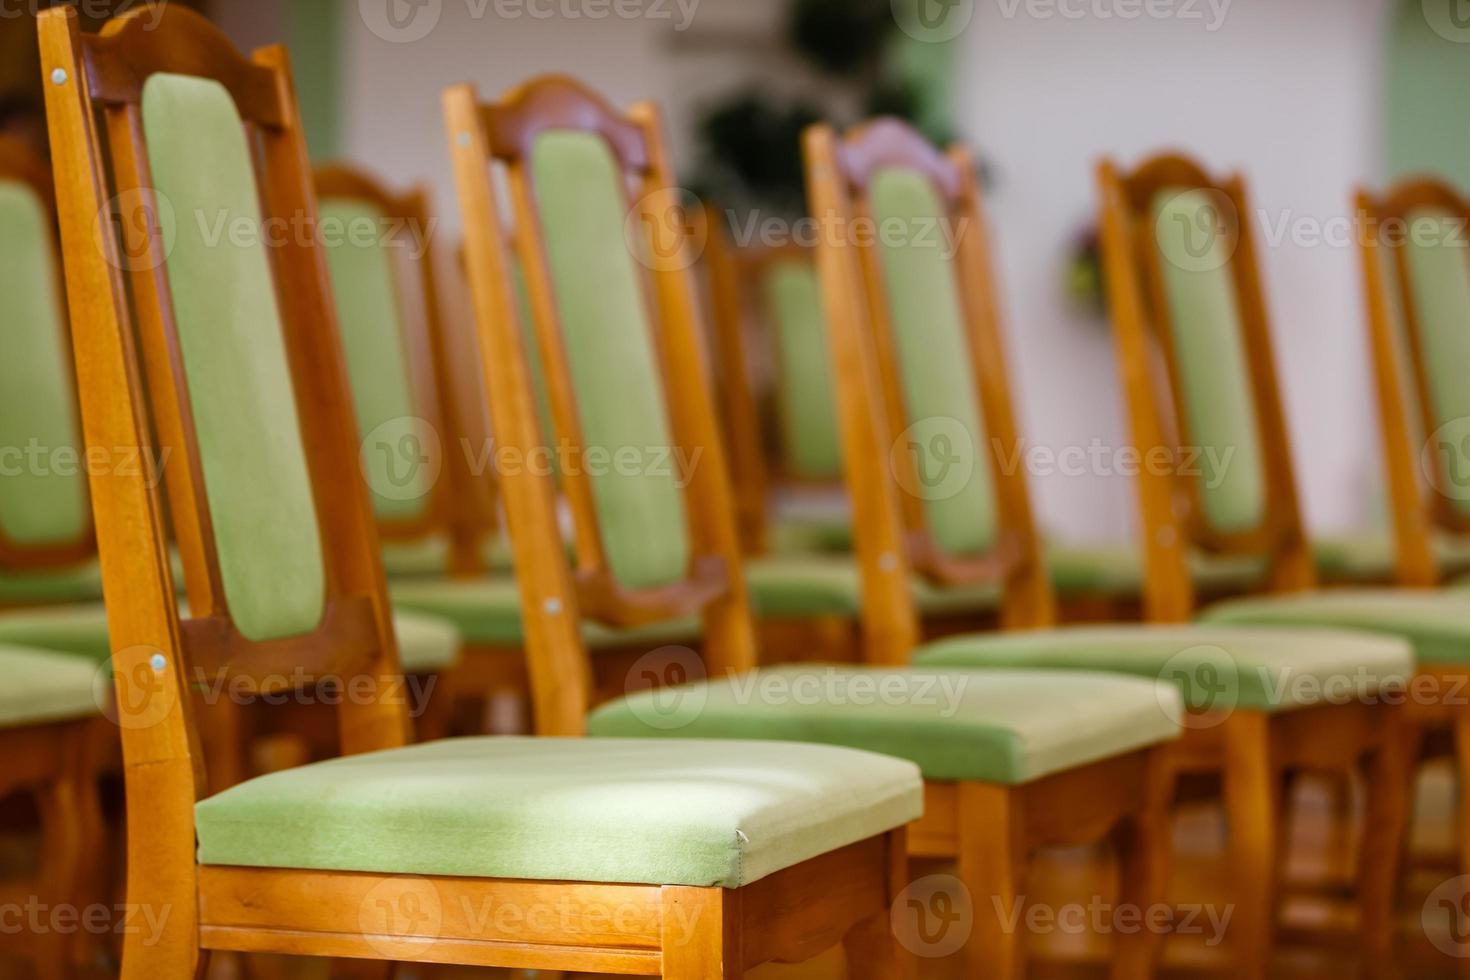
x=887 y=561
x=157 y=662
x=552 y=606
x=58 y=76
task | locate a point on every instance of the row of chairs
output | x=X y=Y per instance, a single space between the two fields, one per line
x=724 y=848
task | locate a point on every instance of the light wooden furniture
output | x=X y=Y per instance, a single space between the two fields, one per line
x=1406 y=329
x=458 y=507
x=98 y=94
x=1243 y=748
x=1167 y=226
x=989 y=827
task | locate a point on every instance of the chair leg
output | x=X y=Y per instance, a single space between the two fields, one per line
x=872 y=948
x=1251 y=813
x=992 y=866
x=1389 y=777
x=701 y=934
x=60 y=872
x=1144 y=846
x=1462 y=815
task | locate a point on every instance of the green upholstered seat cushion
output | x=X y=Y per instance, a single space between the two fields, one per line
x=946 y=435
x=1110 y=570
x=798 y=586
x=429 y=556
x=232 y=344
x=41 y=686
x=487 y=610
x=426 y=556
x=1205 y=326
x=615 y=377
x=368 y=311
x=1117 y=570
x=809 y=537
x=1436 y=622
x=43 y=492
x=81 y=582
x=79 y=629
x=425 y=643
x=655 y=811
x=1369 y=556
x=810 y=521
x=1215 y=667
x=996 y=726
x=810 y=445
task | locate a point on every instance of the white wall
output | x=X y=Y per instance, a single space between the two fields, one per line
x=1286 y=91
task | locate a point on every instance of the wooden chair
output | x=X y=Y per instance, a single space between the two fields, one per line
x=580 y=172
x=51 y=581
x=918 y=351
x=779 y=416
x=1414 y=275
x=51 y=730
x=775 y=393
x=410 y=372
x=603 y=845
x=1194 y=354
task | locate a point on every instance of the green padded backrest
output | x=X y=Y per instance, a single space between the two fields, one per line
x=811 y=446
x=940 y=393
x=1438 y=261
x=369 y=311
x=43 y=496
x=239 y=382
x=1206 y=331
x=610 y=355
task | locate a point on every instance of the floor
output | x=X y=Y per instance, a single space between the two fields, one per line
x=1066 y=897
